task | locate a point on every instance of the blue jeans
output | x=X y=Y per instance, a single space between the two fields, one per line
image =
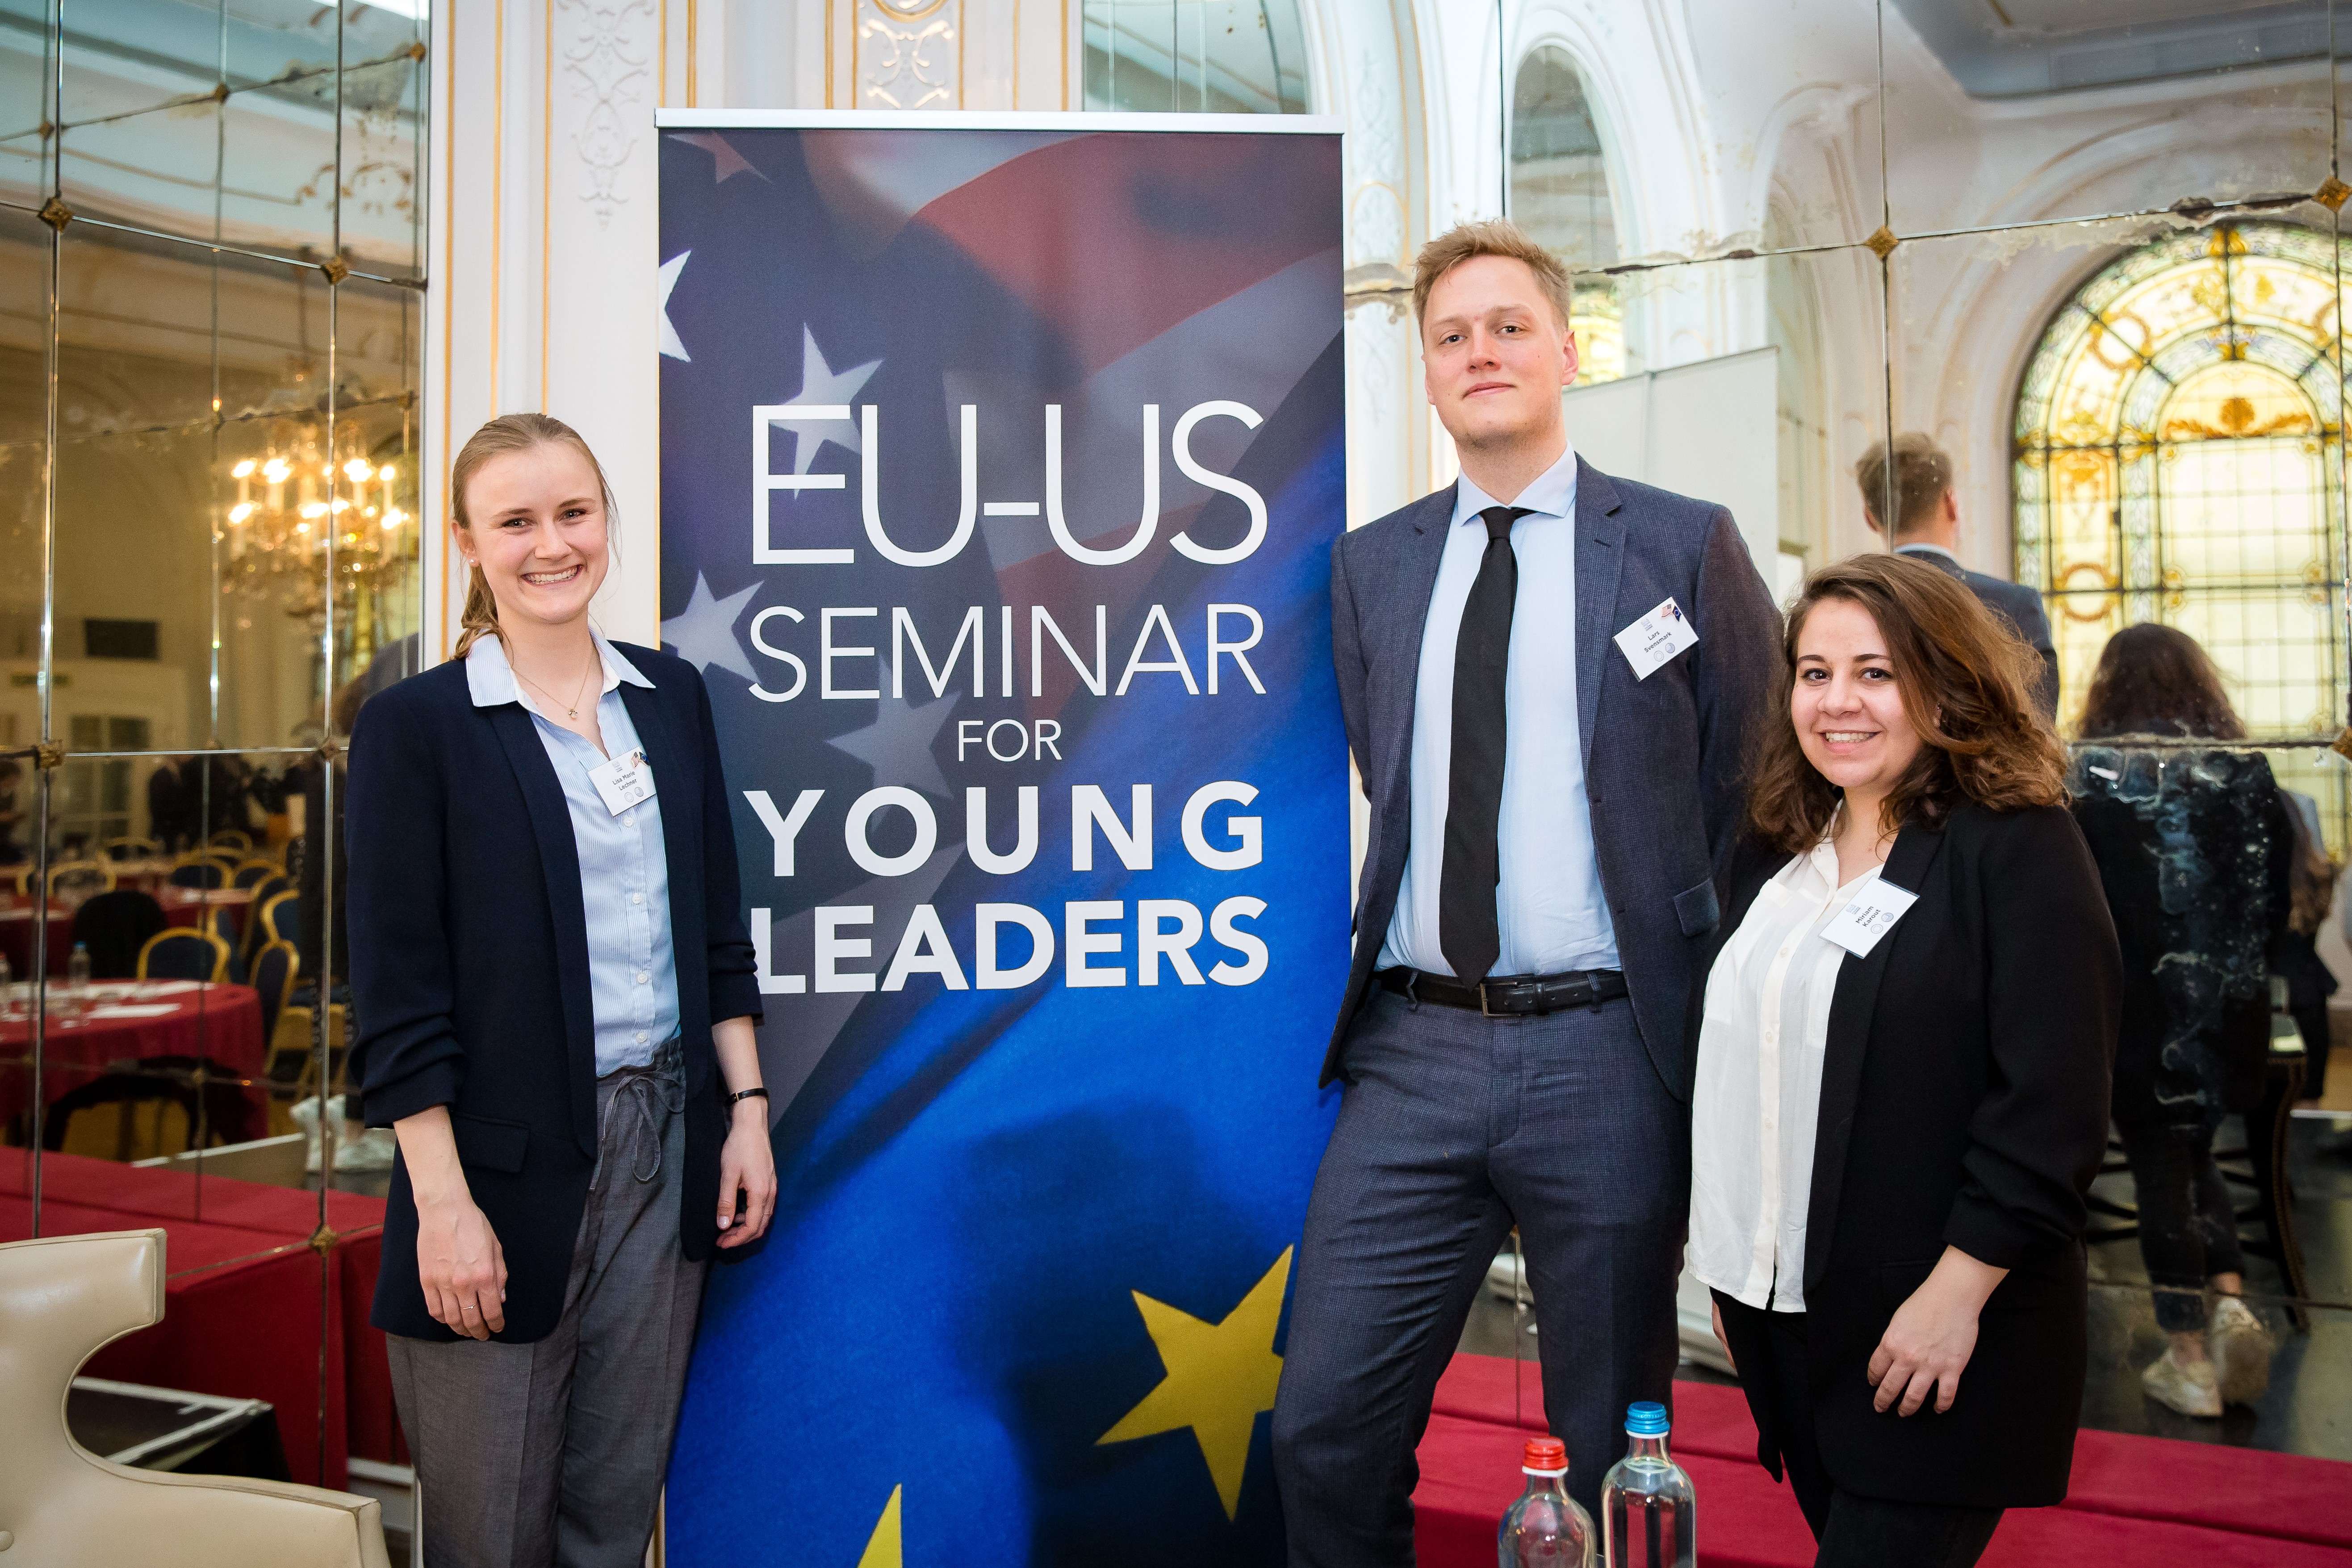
x=1456 y=1127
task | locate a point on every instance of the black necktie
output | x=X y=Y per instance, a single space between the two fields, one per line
x=1466 y=931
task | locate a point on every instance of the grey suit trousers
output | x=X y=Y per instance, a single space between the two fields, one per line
x=1456 y=1127
x=531 y=1456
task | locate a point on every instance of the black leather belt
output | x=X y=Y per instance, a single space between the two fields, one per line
x=1509 y=996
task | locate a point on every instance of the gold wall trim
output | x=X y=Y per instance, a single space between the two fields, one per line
x=497 y=178
x=445 y=120
x=547 y=194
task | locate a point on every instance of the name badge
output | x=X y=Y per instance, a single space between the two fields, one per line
x=1656 y=637
x=1871 y=915
x=624 y=780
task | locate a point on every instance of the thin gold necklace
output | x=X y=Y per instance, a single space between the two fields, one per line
x=570 y=710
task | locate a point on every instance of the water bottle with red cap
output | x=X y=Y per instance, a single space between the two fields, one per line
x=1546 y=1527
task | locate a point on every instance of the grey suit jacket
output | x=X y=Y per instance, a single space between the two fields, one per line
x=2018 y=605
x=1663 y=758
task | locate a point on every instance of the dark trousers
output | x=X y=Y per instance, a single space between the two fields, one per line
x=1456 y=1126
x=1852 y=1531
x=2188 y=1226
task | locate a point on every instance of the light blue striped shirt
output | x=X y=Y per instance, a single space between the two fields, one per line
x=624 y=860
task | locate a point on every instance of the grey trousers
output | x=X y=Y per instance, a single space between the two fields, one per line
x=531 y=1456
x=1456 y=1127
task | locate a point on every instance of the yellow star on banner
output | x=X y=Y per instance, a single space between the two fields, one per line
x=882 y=1548
x=1219 y=1376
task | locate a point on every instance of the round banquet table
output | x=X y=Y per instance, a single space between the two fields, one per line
x=133 y=1021
x=186 y=905
x=16 y=935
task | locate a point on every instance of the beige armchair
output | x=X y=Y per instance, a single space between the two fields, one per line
x=62 y=1297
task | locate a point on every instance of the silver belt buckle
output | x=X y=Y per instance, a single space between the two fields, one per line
x=1484 y=1010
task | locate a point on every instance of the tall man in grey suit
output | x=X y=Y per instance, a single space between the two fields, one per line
x=1915 y=485
x=1548 y=808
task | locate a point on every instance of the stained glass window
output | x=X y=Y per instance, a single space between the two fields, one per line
x=2179 y=434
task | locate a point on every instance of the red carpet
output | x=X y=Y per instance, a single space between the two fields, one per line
x=2135 y=1500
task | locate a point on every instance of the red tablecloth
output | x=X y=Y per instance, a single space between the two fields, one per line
x=242 y=1300
x=219 y=1023
x=17 y=936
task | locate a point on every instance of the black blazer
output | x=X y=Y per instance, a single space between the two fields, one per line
x=469 y=964
x=1964 y=1101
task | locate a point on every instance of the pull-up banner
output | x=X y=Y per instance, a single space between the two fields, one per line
x=1002 y=458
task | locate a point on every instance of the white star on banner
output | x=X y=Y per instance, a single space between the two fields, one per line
x=704 y=632
x=821 y=383
x=670 y=344
x=898 y=744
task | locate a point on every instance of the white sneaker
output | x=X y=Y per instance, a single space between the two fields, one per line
x=2241 y=1352
x=2188 y=1388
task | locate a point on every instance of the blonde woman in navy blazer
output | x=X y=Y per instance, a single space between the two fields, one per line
x=555 y=999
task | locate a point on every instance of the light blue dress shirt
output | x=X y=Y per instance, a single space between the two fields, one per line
x=624 y=860
x=1548 y=906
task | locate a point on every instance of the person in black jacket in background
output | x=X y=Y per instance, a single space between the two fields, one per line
x=1915 y=485
x=1900 y=1092
x=2195 y=848
x=556 y=998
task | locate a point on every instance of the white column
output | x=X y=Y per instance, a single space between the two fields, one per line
x=543 y=271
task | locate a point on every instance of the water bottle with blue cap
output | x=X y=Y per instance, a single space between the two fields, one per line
x=1648 y=1517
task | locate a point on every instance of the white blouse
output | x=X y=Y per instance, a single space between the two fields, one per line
x=1756 y=1104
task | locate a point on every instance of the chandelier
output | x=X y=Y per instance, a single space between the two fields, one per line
x=292 y=503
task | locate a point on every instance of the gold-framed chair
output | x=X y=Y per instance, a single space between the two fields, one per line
x=202 y=869
x=231 y=839
x=255 y=870
x=183 y=953
x=128 y=848
x=23 y=878
x=280 y=919
x=274 y=969
x=81 y=878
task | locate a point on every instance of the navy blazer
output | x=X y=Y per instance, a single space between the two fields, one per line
x=1963 y=1103
x=2020 y=607
x=1663 y=758
x=469 y=964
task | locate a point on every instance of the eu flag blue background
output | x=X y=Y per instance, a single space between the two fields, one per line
x=1023 y=1299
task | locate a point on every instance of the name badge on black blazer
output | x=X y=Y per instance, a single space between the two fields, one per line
x=624 y=780
x=1871 y=914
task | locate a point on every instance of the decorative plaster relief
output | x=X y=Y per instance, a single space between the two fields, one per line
x=606 y=60
x=909 y=56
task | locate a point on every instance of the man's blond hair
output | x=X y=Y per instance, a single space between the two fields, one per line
x=1489 y=236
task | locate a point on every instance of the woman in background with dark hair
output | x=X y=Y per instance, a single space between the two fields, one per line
x=2194 y=846
x=1900 y=1094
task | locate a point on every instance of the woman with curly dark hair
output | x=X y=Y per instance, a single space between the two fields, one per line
x=1900 y=1091
x=2196 y=848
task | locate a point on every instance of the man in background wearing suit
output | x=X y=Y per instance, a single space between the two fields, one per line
x=1927 y=525
x=1549 y=803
